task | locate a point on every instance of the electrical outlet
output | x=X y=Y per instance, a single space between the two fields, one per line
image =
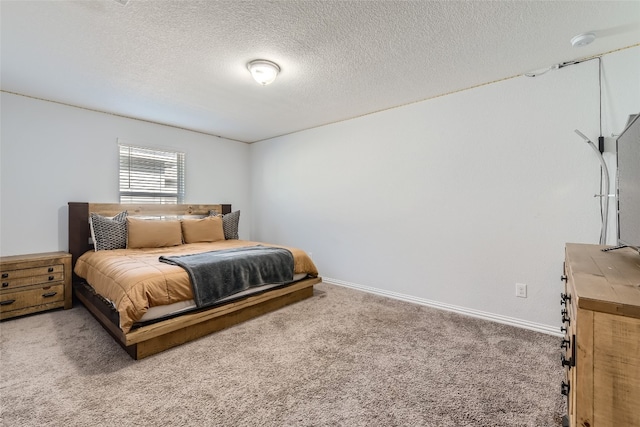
x=521 y=290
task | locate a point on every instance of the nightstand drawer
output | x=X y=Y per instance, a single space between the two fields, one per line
x=36 y=271
x=12 y=301
x=26 y=280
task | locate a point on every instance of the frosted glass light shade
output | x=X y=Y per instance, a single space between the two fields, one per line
x=263 y=71
x=583 y=39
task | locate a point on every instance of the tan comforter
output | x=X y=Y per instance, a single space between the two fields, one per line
x=134 y=279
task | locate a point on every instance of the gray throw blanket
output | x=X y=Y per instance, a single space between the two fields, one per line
x=218 y=274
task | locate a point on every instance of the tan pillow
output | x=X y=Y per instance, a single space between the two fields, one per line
x=207 y=229
x=149 y=233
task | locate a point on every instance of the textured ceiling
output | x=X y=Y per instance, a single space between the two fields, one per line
x=183 y=63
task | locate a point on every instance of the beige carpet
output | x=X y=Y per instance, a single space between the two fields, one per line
x=340 y=358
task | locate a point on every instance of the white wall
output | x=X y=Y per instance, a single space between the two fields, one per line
x=454 y=199
x=52 y=154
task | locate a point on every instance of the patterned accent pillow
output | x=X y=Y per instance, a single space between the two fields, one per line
x=109 y=233
x=230 y=223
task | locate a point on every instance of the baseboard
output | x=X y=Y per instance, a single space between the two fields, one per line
x=533 y=326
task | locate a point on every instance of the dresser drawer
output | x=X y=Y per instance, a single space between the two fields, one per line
x=18 y=300
x=18 y=278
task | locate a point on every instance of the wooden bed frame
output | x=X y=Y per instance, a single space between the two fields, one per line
x=156 y=337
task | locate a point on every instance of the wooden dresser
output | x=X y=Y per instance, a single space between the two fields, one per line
x=601 y=347
x=35 y=282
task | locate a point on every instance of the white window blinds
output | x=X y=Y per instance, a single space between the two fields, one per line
x=148 y=175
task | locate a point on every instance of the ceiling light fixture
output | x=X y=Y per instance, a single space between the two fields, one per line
x=263 y=71
x=583 y=39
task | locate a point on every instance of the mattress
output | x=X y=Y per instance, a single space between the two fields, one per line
x=135 y=281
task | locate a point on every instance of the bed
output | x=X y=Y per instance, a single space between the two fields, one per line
x=119 y=285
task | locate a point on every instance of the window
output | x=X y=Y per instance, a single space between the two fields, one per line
x=148 y=175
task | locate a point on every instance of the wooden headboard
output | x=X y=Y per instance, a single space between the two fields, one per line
x=80 y=233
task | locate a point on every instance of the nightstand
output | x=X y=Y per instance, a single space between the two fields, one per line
x=35 y=282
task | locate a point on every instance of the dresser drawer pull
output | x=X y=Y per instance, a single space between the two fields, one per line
x=564 y=389
x=5 y=284
x=49 y=294
x=567 y=362
x=51 y=278
x=565 y=344
x=5 y=275
x=7 y=302
x=564 y=298
x=50 y=270
x=563 y=277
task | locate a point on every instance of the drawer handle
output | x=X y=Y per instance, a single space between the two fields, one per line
x=567 y=362
x=5 y=275
x=51 y=278
x=564 y=389
x=563 y=277
x=564 y=298
x=5 y=284
x=566 y=320
x=565 y=344
x=49 y=294
x=7 y=302
x=50 y=270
